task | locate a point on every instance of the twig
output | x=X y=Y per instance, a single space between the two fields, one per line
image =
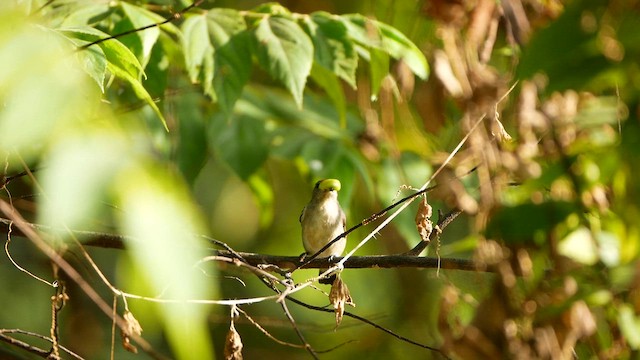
x=30 y=348
x=442 y=224
x=173 y=17
x=266 y=333
x=73 y=274
x=369 y=322
x=307 y=346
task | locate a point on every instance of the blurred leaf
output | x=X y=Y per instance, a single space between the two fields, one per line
x=285 y=51
x=333 y=49
x=77 y=178
x=242 y=142
x=567 y=51
x=191 y=151
x=35 y=65
x=329 y=82
x=162 y=222
x=416 y=170
x=377 y=35
x=264 y=196
x=524 y=223
x=629 y=325
x=579 y=246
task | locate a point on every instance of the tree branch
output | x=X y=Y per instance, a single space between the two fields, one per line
x=113 y=241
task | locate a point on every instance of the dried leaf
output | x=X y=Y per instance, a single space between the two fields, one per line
x=423 y=220
x=339 y=296
x=233 y=344
x=132 y=327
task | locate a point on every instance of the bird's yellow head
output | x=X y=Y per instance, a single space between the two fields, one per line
x=329 y=184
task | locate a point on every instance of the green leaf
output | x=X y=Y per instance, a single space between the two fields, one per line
x=93 y=61
x=198 y=51
x=565 y=50
x=285 y=51
x=331 y=85
x=146 y=39
x=528 y=221
x=227 y=29
x=272 y=8
x=121 y=62
x=87 y=15
x=115 y=52
x=242 y=142
x=377 y=35
x=378 y=68
x=332 y=47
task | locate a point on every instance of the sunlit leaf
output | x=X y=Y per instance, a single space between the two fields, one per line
x=35 y=64
x=333 y=49
x=378 y=35
x=629 y=325
x=147 y=38
x=198 y=51
x=285 y=51
x=94 y=160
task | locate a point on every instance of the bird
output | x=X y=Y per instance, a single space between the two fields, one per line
x=322 y=220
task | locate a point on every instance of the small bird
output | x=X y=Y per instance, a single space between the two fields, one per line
x=322 y=220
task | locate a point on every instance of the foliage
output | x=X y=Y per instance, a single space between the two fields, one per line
x=218 y=120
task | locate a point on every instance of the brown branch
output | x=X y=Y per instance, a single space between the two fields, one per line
x=113 y=241
x=443 y=222
x=358 y=262
x=31 y=348
x=29 y=231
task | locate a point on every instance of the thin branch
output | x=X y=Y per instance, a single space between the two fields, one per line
x=28 y=347
x=424 y=187
x=361 y=262
x=442 y=224
x=73 y=274
x=369 y=322
x=307 y=346
x=173 y=17
x=276 y=263
x=266 y=333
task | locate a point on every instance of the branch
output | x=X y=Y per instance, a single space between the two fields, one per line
x=358 y=262
x=113 y=241
x=173 y=17
x=31 y=348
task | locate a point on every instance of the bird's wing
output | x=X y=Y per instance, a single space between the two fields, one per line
x=344 y=221
x=301 y=214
